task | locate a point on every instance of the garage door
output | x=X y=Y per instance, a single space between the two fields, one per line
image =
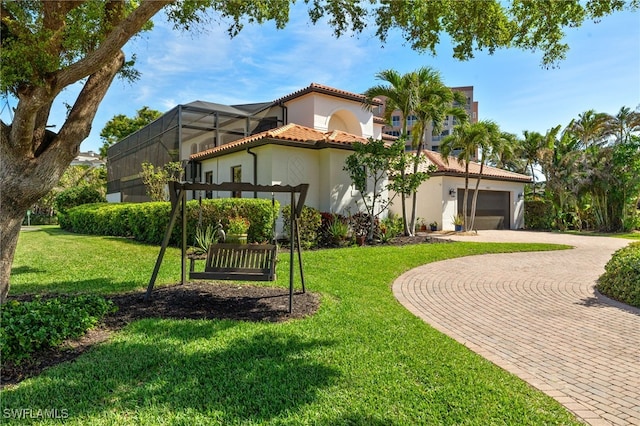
x=492 y=209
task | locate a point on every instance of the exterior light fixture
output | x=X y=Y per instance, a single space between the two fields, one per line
x=452 y=192
x=520 y=196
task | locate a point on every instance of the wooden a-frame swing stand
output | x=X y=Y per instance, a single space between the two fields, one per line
x=213 y=271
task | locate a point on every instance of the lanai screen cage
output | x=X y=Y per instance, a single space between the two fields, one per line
x=182 y=131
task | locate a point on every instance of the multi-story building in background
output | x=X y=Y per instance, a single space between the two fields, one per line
x=431 y=142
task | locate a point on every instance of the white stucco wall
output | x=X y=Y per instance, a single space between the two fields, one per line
x=434 y=201
x=315 y=110
x=330 y=188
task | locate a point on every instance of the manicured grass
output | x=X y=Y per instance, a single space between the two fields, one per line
x=634 y=235
x=362 y=359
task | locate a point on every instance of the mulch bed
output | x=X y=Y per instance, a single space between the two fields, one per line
x=195 y=300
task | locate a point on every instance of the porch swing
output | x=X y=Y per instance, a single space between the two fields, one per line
x=245 y=262
x=238 y=262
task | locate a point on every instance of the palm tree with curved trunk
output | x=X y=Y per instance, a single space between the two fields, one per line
x=463 y=141
x=400 y=94
x=435 y=102
x=466 y=140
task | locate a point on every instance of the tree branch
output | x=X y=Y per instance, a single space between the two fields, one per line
x=117 y=38
x=55 y=13
x=78 y=125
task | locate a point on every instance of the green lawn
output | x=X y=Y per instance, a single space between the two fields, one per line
x=362 y=359
x=633 y=235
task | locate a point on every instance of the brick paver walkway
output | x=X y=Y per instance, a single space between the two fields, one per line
x=536 y=316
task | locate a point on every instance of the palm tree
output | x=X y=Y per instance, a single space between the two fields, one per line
x=508 y=157
x=463 y=141
x=435 y=103
x=590 y=128
x=490 y=143
x=400 y=94
x=623 y=124
x=530 y=148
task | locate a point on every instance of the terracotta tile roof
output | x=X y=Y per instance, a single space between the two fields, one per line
x=453 y=168
x=290 y=134
x=379 y=120
x=320 y=88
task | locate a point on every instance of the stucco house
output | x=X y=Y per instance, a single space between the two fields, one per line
x=303 y=137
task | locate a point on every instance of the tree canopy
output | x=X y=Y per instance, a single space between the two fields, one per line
x=121 y=126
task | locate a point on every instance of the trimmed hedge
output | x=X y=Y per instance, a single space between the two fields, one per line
x=147 y=222
x=621 y=280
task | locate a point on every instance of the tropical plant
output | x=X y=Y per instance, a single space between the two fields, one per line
x=156 y=178
x=370 y=163
x=622 y=125
x=435 y=102
x=204 y=238
x=458 y=219
x=337 y=230
x=530 y=148
x=466 y=140
x=400 y=95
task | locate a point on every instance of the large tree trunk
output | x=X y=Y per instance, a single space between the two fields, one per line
x=28 y=171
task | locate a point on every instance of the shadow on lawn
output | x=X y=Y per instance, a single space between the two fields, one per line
x=164 y=367
x=27 y=270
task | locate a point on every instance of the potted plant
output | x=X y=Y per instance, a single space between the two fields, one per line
x=433 y=226
x=237 y=230
x=421 y=224
x=458 y=221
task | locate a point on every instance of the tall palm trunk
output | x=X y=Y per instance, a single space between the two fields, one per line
x=414 y=201
x=474 y=201
x=466 y=196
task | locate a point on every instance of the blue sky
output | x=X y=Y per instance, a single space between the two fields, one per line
x=601 y=72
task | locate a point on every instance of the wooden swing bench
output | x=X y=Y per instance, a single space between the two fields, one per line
x=242 y=262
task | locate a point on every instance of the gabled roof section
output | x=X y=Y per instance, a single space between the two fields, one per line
x=454 y=168
x=290 y=134
x=325 y=90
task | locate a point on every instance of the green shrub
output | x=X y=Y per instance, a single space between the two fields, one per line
x=310 y=223
x=538 y=214
x=31 y=326
x=621 y=280
x=392 y=226
x=147 y=222
x=76 y=196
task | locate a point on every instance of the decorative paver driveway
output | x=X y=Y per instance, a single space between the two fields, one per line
x=536 y=316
